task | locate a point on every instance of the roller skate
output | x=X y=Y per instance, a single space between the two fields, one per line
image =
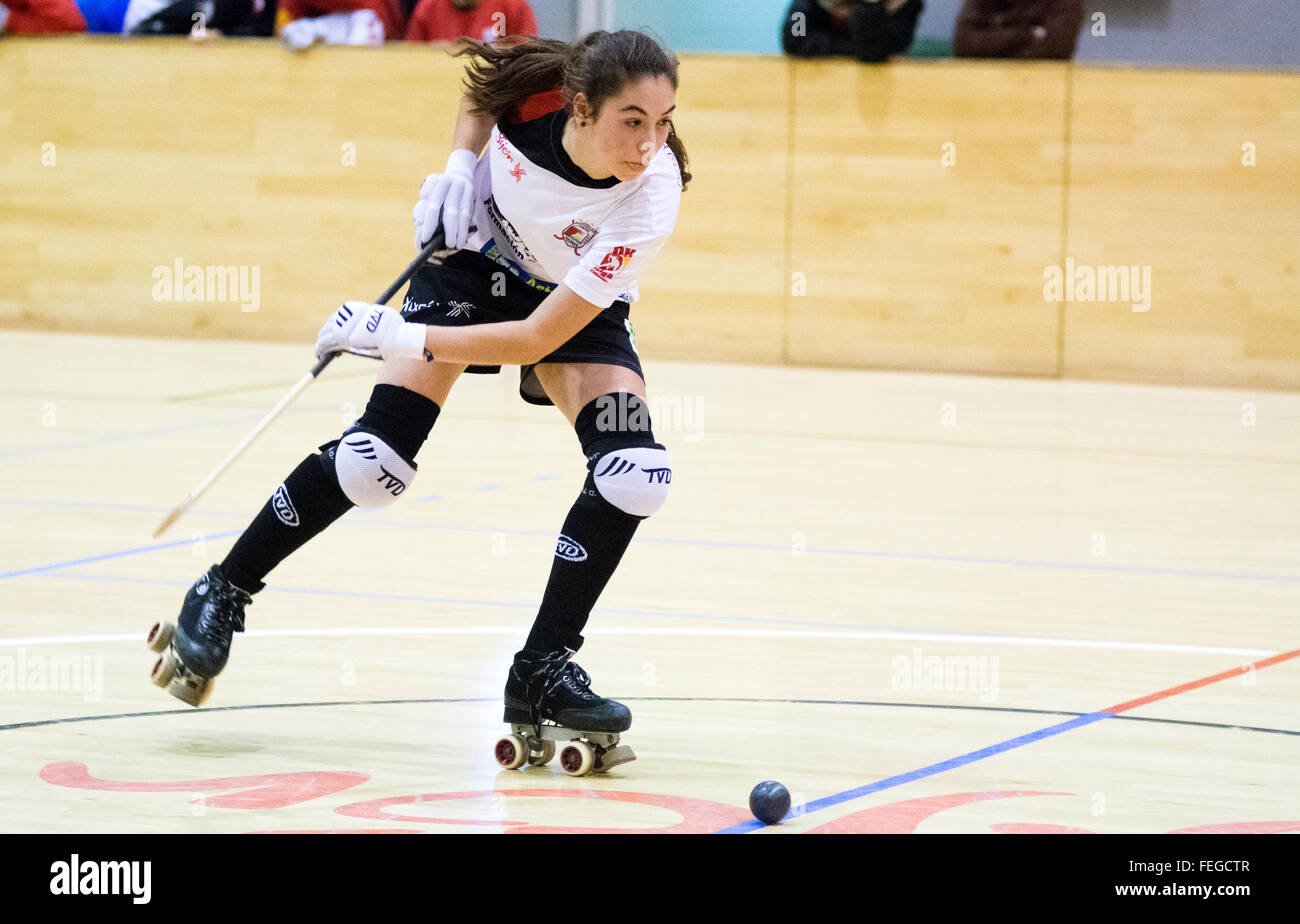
x=193 y=652
x=549 y=701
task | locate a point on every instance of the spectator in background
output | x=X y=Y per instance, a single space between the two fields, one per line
x=483 y=20
x=1018 y=29
x=103 y=16
x=869 y=30
x=340 y=22
x=137 y=11
x=40 y=17
x=215 y=17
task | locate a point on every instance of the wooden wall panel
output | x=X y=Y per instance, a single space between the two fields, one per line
x=118 y=158
x=1158 y=181
x=229 y=155
x=911 y=263
x=717 y=291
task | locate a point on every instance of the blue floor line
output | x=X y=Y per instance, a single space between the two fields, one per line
x=950 y=764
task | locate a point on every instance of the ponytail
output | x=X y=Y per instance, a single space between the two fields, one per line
x=498 y=78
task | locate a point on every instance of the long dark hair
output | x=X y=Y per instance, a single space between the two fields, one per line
x=599 y=65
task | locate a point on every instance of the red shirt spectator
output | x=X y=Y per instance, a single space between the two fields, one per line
x=448 y=20
x=41 y=17
x=390 y=12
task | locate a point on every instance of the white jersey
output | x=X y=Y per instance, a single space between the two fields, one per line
x=545 y=220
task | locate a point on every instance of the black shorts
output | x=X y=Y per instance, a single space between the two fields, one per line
x=457 y=290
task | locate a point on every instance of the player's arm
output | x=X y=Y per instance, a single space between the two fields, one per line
x=515 y=343
x=598 y=280
x=379 y=332
x=473 y=129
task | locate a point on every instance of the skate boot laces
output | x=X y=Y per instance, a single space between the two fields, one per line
x=577 y=680
x=557 y=670
x=225 y=614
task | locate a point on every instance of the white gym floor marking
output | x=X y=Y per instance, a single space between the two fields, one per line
x=950 y=637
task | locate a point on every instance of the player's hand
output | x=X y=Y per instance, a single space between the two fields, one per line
x=449 y=197
x=374 y=331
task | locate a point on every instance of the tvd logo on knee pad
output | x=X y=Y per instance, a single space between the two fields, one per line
x=635 y=480
x=370 y=472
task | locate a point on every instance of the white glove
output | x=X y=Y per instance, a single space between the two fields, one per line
x=448 y=196
x=374 y=331
x=299 y=34
x=362 y=27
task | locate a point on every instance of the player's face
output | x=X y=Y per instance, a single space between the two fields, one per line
x=633 y=126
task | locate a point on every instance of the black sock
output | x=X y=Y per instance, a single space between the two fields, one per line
x=596 y=534
x=309 y=500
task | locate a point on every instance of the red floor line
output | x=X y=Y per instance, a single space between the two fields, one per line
x=1204 y=681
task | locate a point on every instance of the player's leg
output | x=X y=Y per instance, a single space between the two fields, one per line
x=627 y=480
x=371 y=465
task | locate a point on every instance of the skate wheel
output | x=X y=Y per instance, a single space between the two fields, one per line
x=164 y=669
x=543 y=755
x=160 y=636
x=511 y=752
x=577 y=758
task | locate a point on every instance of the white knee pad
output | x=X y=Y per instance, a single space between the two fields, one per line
x=370 y=472
x=634 y=480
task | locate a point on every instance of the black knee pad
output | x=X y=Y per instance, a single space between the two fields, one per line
x=626 y=467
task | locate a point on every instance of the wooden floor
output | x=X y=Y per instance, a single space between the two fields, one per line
x=923 y=602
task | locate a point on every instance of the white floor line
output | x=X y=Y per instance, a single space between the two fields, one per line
x=831 y=635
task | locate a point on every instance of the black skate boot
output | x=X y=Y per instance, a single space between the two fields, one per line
x=548 y=687
x=549 y=699
x=195 y=650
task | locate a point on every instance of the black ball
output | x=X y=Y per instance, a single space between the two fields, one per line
x=770 y=802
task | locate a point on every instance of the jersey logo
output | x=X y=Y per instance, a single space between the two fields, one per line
x=504 y=148
x=519 y=173
x=410 y=307
x=508 y=230
x=577 y=235
x=614 y=262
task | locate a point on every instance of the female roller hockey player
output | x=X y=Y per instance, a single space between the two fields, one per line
x=576 y=194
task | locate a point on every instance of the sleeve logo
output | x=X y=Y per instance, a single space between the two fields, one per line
x=613 y=263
